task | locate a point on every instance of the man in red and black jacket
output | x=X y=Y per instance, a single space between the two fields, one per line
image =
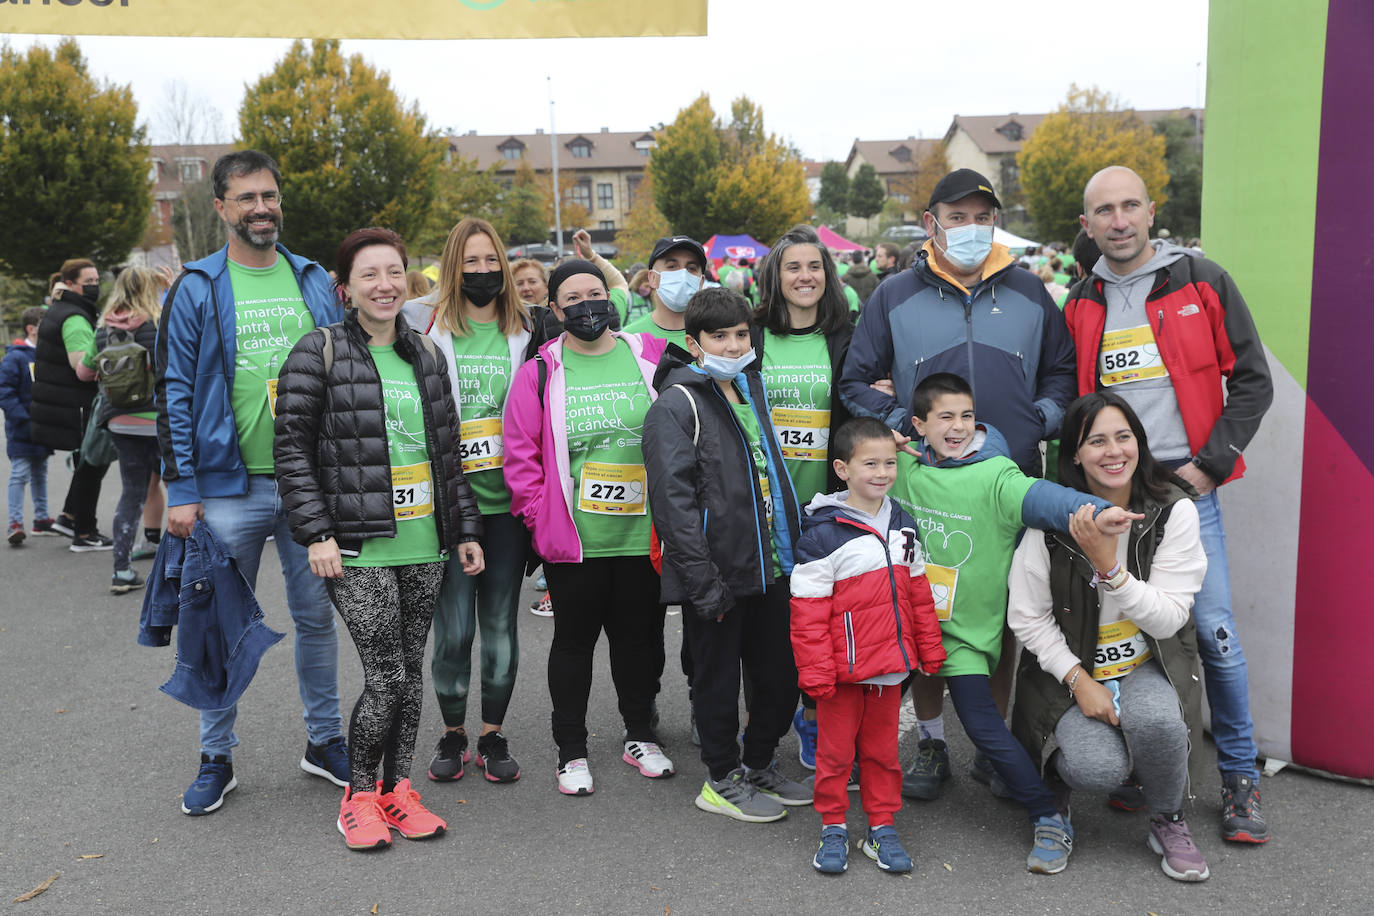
x=1168 y=330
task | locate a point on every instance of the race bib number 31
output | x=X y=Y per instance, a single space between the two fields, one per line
x=482 y=446
x=412 y=491
x=612 y=489
x=804 y=434
x=1130 y=355
x=1120 y=648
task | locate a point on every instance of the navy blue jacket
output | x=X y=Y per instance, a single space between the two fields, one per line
x=1006 y=337
x=196 y=345
x=196 y=585
x=16 y=383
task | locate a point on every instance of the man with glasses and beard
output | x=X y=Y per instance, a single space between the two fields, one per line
x=230 y=321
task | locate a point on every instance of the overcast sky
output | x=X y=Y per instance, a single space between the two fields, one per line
x=823 y=72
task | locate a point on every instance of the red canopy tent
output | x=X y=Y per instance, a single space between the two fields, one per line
x=836 y=242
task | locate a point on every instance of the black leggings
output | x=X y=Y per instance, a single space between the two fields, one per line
x=387 y=610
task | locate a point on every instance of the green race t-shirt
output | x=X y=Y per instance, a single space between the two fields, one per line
x=606 y=402
x=483 y=361
x=645 y=325
x=412 y=481
x=77 y=334
x=969 y=517
x=796 y=375
x=269 y=318
x=754 y=436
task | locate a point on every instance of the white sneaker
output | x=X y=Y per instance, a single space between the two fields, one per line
x=575 y=777
x=648 y=758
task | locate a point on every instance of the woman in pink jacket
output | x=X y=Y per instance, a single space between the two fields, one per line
x=573 y=423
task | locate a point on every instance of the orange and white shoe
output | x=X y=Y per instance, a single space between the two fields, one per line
x=403 y=812
x=362 y=822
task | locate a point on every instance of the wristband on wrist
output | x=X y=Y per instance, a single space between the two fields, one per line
x=1074 y=680
x=1117 y=580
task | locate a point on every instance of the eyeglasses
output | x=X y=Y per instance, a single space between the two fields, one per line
x=270 y=199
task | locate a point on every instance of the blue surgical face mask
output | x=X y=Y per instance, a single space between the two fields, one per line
x=723 y=368
x=967 y=246
x=675 y=287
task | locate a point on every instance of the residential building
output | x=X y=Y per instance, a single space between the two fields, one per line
x=895 y=161
x=605 y=167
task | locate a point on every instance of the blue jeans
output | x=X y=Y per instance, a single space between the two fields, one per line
x=1223 y=659
x=31 y=473
x=243 y=523
x=488 y=602
x=973 y=703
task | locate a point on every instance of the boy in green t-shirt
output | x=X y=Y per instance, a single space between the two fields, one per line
x=970 y=502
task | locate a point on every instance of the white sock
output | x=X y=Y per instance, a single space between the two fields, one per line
x=931 y=728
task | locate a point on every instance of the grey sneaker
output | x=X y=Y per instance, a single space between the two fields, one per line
x=1171 y=839
x=771 y=782
x=735 y=796
x=930 y=768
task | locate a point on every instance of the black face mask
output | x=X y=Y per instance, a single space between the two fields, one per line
x=481 y=288
x=91 y=291
x=587 y=320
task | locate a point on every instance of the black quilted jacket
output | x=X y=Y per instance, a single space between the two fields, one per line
x=332 y=463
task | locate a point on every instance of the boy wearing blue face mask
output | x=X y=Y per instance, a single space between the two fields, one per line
x=677 y=270
x=726 y=516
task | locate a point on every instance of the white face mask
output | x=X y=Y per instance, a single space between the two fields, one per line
x=675 y=287
x=723 y=368
x=968 y=246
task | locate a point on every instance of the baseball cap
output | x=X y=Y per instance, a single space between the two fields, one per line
x=959 y=184
x=665 y=245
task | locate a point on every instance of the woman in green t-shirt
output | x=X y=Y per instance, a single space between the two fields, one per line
x=482 y=329
x=802 y=336
x=366 y=453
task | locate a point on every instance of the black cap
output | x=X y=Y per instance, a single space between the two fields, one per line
x=569 y=268
x=959 y=184
x=665 y=245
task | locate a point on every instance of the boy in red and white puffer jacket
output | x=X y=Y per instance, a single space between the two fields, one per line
x=862 y=621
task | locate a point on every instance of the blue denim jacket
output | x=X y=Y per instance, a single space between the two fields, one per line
x=196 y=585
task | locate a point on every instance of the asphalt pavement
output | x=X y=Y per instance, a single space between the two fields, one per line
x=93 y=761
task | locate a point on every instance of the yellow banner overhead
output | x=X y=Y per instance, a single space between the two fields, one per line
x=357 y=18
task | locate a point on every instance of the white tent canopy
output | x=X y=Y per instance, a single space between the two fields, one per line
x=1014 y=242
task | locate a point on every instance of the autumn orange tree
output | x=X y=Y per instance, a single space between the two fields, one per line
x=644 y=224
x=1090 y=131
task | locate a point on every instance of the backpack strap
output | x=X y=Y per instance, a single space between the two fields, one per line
x=696 y=417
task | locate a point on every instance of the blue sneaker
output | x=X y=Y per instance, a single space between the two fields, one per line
x=806 y=739
x=328 y=761
x=884 y=848
x=833 y=856
x=1053 y=843
x=214 y=781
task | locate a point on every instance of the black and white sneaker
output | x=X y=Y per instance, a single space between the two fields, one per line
x=64 y=525
x=85 y=543
x=449 y=756
x=493 y=756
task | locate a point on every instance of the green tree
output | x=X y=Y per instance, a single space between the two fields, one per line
x=73 y=163
x=1181 y=214
x=351 y=154
x=712 y=178
x=834 y=193
x=461 y=189
x=644 y=224
x=866 y=193
x=196 y=228
x=523 y=209
x=1090 y=131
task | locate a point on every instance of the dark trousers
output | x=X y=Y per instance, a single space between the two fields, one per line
x=755 y=633
x=84 y=495
x=618 y=595
x=138 y=462
x=972 y=696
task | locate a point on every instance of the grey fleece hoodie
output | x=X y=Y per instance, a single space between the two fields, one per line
x=1152 y=399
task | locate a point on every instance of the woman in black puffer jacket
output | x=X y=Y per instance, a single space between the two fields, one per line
x=367 y=463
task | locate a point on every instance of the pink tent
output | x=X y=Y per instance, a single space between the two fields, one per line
x=834 y=241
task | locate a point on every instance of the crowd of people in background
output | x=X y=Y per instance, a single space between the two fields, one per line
x=859 y=474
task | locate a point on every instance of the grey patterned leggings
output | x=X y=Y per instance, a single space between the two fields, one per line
x=387 y=610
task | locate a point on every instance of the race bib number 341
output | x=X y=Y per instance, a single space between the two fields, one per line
x=482 y=446
x=612 y=489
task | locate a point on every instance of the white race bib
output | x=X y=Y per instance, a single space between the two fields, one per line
x=1121 y=647
x=412 y=491
x=612 y=489
x=482 y=446
x=1130 y=355
x=804 y=434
